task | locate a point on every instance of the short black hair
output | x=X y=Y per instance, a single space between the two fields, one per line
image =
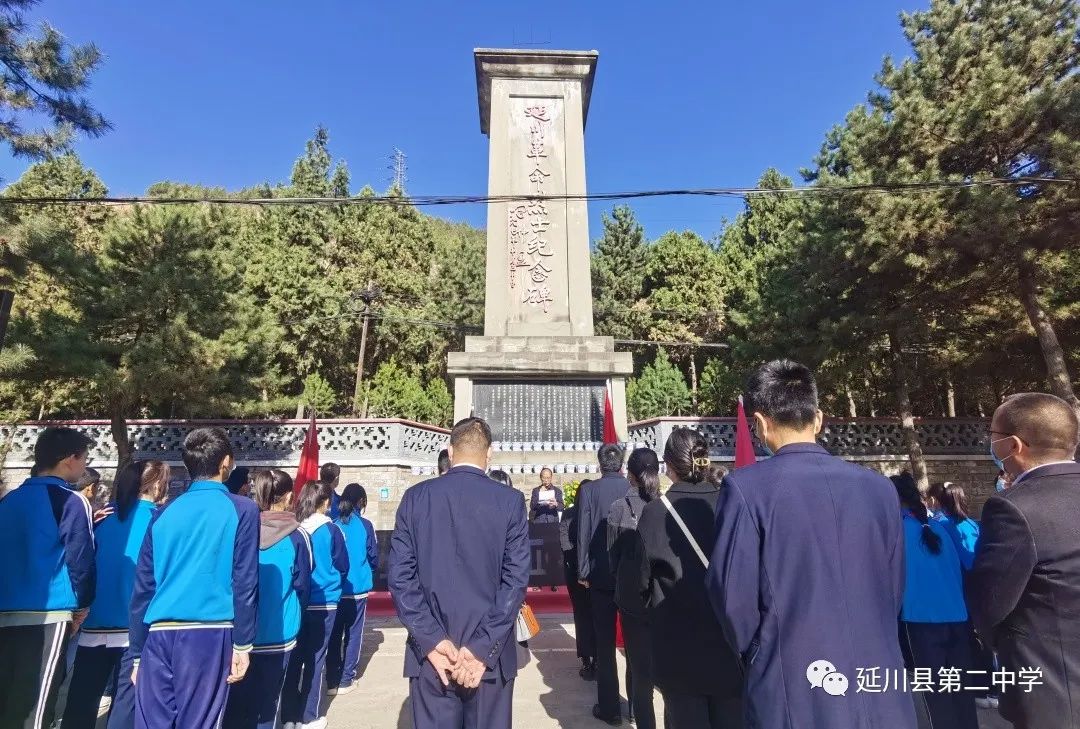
x=444 y=461
x=90 y=477
x=610 y=457
x=502 y=477
x=237 y=479
x=1045 y=423
x=204 y=450
x=329 y=473
x=471 y=434
x=56 y=444
x=783 y=391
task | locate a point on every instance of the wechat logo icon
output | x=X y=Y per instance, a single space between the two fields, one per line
x=823 y=675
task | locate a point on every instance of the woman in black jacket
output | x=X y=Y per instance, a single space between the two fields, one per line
x=643 y=472
x=694 y=667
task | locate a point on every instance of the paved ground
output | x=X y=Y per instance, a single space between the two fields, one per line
x=548 y=693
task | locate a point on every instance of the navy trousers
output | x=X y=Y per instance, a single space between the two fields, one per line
x=96 y=669
x=435 y=707
x=941 y=645
x=343 y=657
x=254 y=701
x=181 y=679
x=305 y=680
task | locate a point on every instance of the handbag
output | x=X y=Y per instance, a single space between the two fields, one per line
x=686 y=531
x=527 y=624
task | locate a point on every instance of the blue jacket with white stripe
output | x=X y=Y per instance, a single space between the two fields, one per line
x=284 y=581
x=331 y=561
x=47 y=543
x=118 y=544
x=199 y=564
x=363 y=552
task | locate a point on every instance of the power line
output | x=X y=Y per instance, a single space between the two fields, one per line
x=437 y=200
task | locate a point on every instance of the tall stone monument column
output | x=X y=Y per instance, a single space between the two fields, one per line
x=538 y=373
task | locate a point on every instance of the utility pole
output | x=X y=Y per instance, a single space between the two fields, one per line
x=368 y=295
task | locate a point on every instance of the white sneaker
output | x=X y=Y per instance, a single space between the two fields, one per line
x=988 y=702
x=341 y=690
x=317 y=724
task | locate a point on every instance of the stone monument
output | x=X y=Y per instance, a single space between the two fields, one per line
x=538 y=374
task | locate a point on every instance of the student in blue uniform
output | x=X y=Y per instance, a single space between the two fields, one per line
x=343 y=659
x=284 y=584
x=48 y=576
x=102 y=658
x=950 y=506
x=330 y=474
x=302 y=700
x=934 y=626
x=196 y=587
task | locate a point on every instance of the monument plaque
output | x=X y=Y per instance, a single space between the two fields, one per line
x=538 y=365
x=537 y=411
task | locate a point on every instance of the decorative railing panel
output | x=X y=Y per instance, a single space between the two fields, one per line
x=854 y=437
x=350 y=442
x=399 y=442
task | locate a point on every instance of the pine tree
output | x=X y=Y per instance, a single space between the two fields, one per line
x=684 y=295
x=42 y=80
x=659 y=392
x=618 y=274
x=991 y=93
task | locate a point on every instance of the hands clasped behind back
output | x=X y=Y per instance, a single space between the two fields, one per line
x=456 y=664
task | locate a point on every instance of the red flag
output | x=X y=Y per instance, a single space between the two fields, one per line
x=744 y=444
x=609 y=419
x=309 y=458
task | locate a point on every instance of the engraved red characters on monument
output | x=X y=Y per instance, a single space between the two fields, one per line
x=528 y=222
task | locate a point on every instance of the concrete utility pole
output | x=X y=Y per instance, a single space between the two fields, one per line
x=368 y=295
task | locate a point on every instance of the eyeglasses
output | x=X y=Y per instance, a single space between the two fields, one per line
x=1008 y=435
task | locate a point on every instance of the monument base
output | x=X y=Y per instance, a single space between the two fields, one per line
x=541 y=388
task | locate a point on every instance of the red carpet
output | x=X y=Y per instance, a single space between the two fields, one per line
x=544 y=602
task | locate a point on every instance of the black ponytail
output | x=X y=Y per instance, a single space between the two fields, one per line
x=269 y=487
x=644 y=466
x=353 y=500
x=687 y=454
x=312 y=496
x=127 y=487
x=910 y=498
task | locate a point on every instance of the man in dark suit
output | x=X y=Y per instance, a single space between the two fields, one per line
x=594 y=572
x=459 y=566
x=807 y=573
x=1024 y=588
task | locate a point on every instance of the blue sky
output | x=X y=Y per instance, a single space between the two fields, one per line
x=702 y=94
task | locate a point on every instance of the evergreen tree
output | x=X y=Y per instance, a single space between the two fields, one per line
x=659 y=392
x=42 y=82
x=991 y=92
x=684 y=295
x=618 y=276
